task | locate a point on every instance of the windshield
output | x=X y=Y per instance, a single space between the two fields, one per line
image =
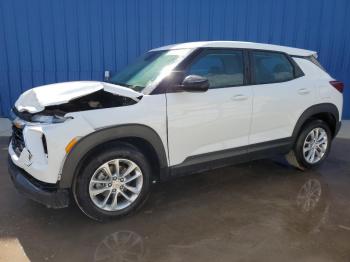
x=148 y=68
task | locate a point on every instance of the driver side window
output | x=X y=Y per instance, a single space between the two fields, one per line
x=223 y=68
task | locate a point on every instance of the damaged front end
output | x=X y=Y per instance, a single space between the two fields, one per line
x=50 y=104
x=43 y=128
x=56 y=113
x=43 y=125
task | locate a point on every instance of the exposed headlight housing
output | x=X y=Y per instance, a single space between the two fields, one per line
x=49 y=119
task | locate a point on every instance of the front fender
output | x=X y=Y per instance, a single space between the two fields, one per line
x=91 y=141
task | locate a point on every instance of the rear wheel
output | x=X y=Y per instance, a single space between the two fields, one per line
x=312 y=145
x=114 y=183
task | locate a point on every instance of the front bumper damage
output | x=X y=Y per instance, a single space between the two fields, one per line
x=36 y=153
x=47 y=194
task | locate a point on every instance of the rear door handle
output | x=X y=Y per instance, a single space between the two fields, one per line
x=303 y=91
x=239 y=97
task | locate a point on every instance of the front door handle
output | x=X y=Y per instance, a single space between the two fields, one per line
x=239 y=97
x=303 y=91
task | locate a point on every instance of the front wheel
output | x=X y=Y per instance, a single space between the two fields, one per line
x=114 y=183
x=312 y=146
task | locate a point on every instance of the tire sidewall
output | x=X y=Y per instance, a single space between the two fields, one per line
x=298 y=149
x=81 y=185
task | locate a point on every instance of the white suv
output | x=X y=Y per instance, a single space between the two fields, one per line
x=177 y=110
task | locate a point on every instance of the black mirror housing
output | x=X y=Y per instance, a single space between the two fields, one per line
x=195 y=83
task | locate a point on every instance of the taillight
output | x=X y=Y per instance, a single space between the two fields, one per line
x=338 y=85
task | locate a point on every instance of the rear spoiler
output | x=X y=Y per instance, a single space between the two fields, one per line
x=313 y=54
x=313 y=58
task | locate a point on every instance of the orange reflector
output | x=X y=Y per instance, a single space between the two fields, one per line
x=71 y=144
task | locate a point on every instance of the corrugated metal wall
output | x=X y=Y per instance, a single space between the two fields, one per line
x=46 y=41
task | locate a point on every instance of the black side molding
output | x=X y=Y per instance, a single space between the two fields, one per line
x=40 y=192
x=193 y=164
x=228 y=157
x=314 y=110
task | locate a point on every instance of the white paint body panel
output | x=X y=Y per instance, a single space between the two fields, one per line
x=36 y=99
x=190 y=123
x=278 y=106
x=47 y=169
x=240 y=44
x=199 y=123
x=83 y=123
x=325 y=92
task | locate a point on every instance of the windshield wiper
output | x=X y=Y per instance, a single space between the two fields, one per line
x=133 y=87
x=120 y=84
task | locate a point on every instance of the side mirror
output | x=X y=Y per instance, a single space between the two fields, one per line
x=195 y=83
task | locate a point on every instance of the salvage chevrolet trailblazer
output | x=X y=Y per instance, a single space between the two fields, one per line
x=177 y=110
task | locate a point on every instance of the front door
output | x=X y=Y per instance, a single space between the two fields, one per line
x=212 y=121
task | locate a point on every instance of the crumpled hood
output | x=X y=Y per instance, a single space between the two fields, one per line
x=36 y=99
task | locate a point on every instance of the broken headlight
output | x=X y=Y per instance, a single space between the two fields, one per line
x=49 y=119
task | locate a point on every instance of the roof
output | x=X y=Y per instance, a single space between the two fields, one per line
x=238 y=44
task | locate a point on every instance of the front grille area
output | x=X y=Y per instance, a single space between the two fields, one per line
x=17 y=140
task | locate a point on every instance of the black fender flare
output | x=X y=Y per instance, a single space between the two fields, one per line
x=91 y=141
x=313 y=110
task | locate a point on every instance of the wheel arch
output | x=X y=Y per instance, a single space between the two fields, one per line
x=326 y=111
x=134 y=134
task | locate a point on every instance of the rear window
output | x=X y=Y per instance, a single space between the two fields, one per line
x=270 y=67
x=315 y=61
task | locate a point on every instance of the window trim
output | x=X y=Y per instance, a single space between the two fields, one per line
x=297 y=72
x=168 y=87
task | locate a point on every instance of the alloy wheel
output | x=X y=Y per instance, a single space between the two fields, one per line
x=116 y=184
x=315 y=145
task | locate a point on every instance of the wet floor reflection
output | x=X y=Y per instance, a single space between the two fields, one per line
x=263 y=209
x=309 y=195
x=120 y=246
x=312 y=205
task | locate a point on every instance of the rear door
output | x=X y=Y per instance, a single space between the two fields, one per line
x=281 y=94
x=210 y=122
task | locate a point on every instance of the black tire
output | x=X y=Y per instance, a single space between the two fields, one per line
x=81 y=184
x=296 y=157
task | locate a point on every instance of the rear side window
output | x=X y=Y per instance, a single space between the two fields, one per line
x=222 y=67
x=270 y=67
x=315 y=61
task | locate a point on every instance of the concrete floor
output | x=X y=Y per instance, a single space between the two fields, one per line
x=5 y=127
x=262 y=211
